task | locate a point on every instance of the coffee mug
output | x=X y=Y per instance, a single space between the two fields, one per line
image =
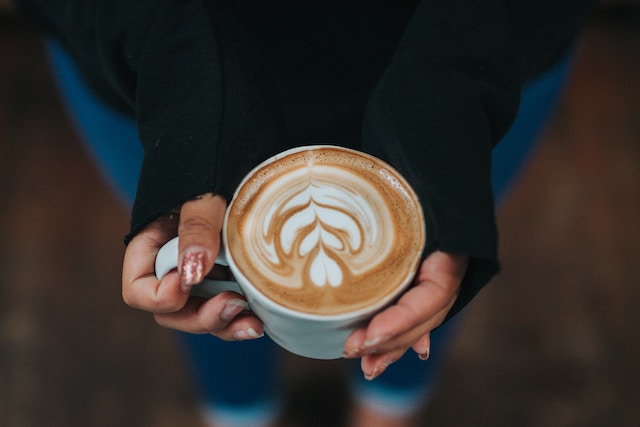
x=319 y=239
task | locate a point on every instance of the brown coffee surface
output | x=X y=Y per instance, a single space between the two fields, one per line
x=326 y=231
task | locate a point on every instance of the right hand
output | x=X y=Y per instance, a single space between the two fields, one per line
x=198 y=226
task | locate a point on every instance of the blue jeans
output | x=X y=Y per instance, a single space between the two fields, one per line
x=245 y=375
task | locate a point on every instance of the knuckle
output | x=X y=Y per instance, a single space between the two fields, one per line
x=130 y=297
x=194 y=224
x=212 y=326
x=127 y=297
x=157 y=303
x=164 y=304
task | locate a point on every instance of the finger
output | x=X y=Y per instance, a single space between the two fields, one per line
x=354 y=345
x=423 y=346
x=140 y=288
x=199 y=231
x=139 y=258
x=373 y=365
x=418 y=311
x=150 y=294
x=438 y=282
x=224 y=316
x=421 y=310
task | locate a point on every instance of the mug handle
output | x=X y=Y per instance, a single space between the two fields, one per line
x=167 y=260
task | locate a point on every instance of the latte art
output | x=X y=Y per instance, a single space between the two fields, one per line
x=314 y=227
x=326 y=231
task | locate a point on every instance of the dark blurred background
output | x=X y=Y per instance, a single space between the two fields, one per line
x=553 y=341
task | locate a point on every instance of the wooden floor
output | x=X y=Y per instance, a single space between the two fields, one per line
x=553 y=341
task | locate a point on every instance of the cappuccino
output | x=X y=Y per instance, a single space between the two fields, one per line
x=325 y=230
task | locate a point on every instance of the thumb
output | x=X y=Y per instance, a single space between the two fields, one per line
x=199 y=231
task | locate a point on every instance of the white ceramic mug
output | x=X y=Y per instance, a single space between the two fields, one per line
x=308 y=335
x=318 y=336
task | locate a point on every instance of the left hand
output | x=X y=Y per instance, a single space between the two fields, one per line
x=409 y=322
x=198 y=226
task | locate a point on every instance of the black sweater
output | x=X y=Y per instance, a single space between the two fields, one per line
x=217 y=86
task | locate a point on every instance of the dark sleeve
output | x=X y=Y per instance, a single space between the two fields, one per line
x=448 y=96
x=202 y=119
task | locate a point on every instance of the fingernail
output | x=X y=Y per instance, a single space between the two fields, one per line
x=371 y=344
x=377 y=371
x=373 y=341
x=246 y=334
x=424 y=356
x=356 y=352
x=372 y=375
x=192 y=269
x=232 y=308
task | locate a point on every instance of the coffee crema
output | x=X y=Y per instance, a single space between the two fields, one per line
x=326 y=231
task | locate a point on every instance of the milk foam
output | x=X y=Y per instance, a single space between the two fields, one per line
x=318 y=215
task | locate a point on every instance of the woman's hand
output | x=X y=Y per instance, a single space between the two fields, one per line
x=198 y=224
x=409 y=322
